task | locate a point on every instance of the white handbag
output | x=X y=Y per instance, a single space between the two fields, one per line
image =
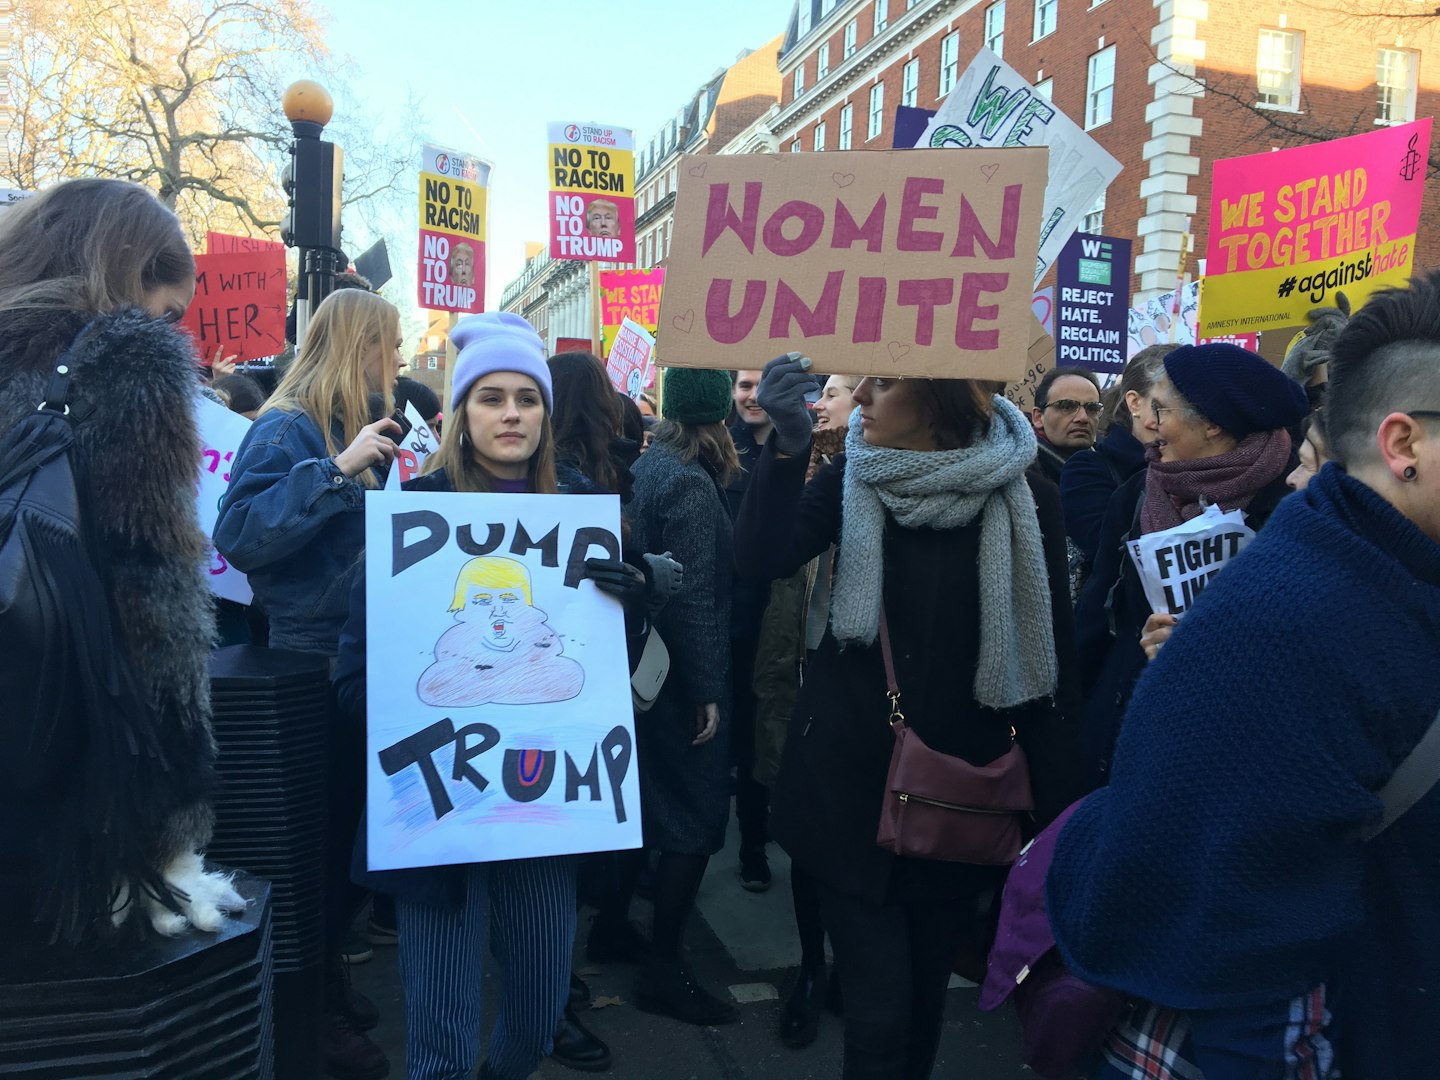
x=649 y=676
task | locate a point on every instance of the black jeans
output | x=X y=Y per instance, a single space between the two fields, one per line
x=894 y=966
x=752 y=798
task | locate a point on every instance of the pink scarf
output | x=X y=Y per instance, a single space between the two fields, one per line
x=1173 y=489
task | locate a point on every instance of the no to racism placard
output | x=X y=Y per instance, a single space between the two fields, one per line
x=992 y=106
x=1092 y=279
x=592 y=192
x=873 y=262
x=239 y=305
x=499 y=717
x=454 y=190
x=629 y=294
x=1290 y=228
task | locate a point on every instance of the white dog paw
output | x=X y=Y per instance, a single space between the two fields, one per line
x=210 y=898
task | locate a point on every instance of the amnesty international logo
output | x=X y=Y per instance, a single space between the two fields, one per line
x=1410 y=163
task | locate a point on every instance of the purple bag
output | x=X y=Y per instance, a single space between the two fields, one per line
x=1063 y=1018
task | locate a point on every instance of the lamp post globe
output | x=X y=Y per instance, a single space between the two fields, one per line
x=310 y=104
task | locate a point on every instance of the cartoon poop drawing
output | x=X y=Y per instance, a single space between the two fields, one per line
x=501 y=649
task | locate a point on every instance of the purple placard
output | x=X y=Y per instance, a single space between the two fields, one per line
x=910 y=124
x=1092 y=303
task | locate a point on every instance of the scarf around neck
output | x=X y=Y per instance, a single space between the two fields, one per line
x=949 y=489
x=1174 y=489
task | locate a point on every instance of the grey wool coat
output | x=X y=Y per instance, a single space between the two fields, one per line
x=82 y=813
x=685 y=790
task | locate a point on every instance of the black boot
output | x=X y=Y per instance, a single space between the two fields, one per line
x=579 y=992
x=667 y=987
x=800 y=1012
x=577 y=1047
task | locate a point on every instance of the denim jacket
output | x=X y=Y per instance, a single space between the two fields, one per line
x=295 y=524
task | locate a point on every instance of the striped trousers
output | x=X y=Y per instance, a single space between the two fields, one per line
x=528 y=907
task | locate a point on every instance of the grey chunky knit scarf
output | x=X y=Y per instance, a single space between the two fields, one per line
x=946 y=489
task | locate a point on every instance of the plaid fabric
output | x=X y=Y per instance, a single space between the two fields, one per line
x=1156 y=1043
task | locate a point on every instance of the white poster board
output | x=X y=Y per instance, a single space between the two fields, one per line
x=221 y=432
x=628 y=363
x=412 y=450
x=499 y=717
x=993 y=106
x=1176 y=564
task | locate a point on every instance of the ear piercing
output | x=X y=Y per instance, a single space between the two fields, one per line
x=1410 y=472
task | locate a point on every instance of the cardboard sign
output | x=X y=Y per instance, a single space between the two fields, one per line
x=454 y=191
x=221 y=432
x=419 y=443
x=628 y=364
x=873 y=262
x=1092 y=279
x=218 y=243
x=239 y=305
x=1290 y=228
x=499 y=716
x=993 y=106
x=629 y=294
x=592 y=192
x=1176 y=564
x=1039 y=358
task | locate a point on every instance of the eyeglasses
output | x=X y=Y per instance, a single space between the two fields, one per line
x=1069 y=405
x=1159 y=410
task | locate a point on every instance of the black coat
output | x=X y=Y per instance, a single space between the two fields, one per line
x=1111 y=614
x=1088 y=480
x=826 y=807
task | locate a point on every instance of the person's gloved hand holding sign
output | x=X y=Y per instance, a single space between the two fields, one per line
x=783 y=386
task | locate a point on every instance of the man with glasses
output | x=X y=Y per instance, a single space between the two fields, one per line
x=1066 y=414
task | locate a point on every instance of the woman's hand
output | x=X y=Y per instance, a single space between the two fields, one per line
x=1158 y=628
x=621 y=580
x=783 y=386
x=220 y=366
x=371 y=447
x=707 y=719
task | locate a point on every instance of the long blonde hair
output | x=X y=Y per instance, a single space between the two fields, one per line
x=327 y=380
x=457 y=457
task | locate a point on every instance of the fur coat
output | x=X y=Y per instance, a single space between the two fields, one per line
x=137 y=457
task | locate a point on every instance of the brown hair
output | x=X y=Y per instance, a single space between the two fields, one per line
x=959 y=410
x=710 y=442
x=587 y=416
x=1141 y=374
x=457 y=457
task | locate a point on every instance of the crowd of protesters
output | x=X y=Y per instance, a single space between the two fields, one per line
x=819 y=554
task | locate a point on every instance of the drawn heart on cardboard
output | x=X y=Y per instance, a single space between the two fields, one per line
x=684 y=323
x=843 y=179
x=698 y=170
x=897 y=350
x=989 y=171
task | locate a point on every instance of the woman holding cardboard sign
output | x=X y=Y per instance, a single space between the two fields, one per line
x=949 y=638
x=1217 y=417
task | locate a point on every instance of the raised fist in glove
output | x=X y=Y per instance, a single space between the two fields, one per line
x=783 y=386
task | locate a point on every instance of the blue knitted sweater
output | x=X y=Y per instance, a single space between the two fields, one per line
x=1217 y=871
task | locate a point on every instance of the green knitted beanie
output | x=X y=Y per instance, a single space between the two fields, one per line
x=695 y=395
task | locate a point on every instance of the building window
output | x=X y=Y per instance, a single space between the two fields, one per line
x=995 y=27
x=819 y=143
x=822 y=62
x=799 y=80
x=847 y=118
x=827 y=6
x=949 y=62
x=1395 y=71
x=910 y=83
x=1045 y=17
x=1100 y=88
x=1277 y=68
x=1094 y=220
x=849 y=39
x=1046 y=89
x=804 y=27
x=882 y=20
x=795 y=147
x=877 y=110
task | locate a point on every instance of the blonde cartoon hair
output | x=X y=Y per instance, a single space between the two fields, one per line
x=493 y=572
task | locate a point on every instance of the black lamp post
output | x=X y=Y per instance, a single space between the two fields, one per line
x=312 y=180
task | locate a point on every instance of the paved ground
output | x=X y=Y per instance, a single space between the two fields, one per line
x=744 y=942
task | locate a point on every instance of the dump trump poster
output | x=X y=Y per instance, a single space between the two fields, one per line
x=499 y=718
x=992 y=106
x=881 y=262
x=592 y=192
x=1291 y=228
x=454 y=189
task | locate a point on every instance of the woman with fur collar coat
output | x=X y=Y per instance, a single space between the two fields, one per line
x=96 y=818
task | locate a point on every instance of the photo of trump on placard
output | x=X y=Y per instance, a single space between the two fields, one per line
x=602 y=218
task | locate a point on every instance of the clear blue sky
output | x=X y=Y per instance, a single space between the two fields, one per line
x=511 y=66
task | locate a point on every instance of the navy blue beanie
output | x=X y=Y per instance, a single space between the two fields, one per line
x=1241 y=392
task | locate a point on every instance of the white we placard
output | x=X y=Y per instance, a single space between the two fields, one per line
x=221 y=432
x=412 y=450
x=499 y=717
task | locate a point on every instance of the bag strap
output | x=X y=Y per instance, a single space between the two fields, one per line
x=57 y=389
x=1409 y=783
x=892 y=688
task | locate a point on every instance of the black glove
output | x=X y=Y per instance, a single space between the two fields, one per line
x=666 y=576
x=783 y=386
x=619 y=579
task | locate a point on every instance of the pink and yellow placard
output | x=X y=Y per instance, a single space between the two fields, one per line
x=1290 y=228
